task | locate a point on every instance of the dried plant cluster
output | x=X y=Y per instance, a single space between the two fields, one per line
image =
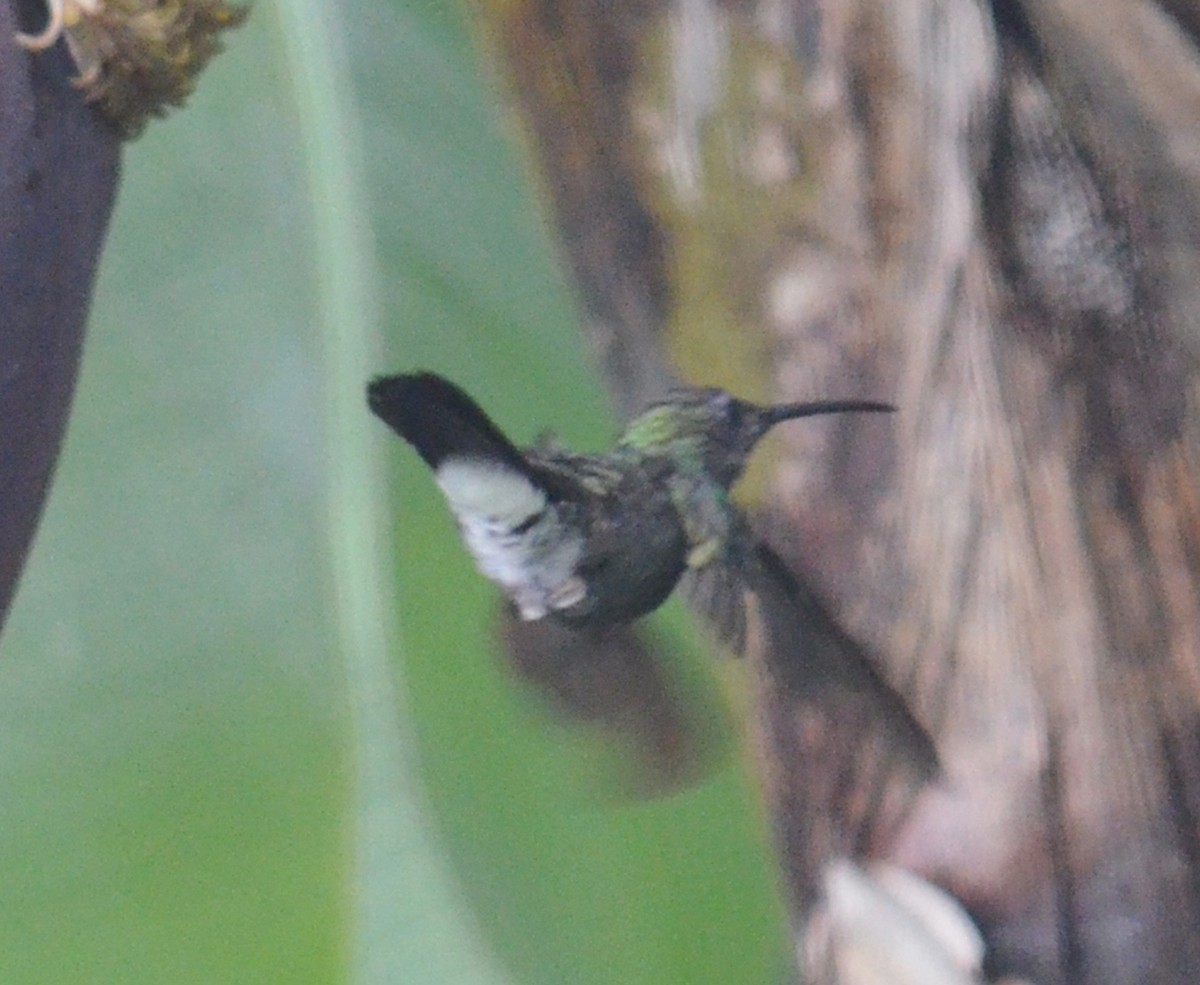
x=137 y=58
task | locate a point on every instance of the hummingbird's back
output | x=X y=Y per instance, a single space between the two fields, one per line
x=634 y=545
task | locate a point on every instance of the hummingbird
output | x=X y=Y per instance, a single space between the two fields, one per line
x=596 y=541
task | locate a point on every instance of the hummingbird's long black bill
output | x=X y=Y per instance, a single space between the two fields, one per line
x=789 y=412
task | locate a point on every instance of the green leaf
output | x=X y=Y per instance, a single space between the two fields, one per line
x=251 y=727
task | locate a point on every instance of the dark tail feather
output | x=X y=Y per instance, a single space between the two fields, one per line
x=439 y=420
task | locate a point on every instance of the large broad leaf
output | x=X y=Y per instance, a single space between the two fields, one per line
x=250 y=725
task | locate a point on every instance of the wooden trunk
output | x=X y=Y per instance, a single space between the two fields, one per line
x=988 y=214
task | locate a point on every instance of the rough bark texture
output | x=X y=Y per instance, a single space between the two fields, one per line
x=58 y=171
x=990 y=214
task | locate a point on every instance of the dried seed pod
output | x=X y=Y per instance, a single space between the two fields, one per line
x=137 y=58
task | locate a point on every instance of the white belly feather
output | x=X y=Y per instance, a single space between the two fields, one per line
x=535 y=567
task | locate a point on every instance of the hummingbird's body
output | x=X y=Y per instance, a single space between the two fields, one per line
x=597 y=540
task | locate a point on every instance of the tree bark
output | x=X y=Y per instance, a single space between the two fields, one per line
x=990 y=214
x=58 y=173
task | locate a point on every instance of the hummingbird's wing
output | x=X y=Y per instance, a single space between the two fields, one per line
x=618 y=683
x=756 y=607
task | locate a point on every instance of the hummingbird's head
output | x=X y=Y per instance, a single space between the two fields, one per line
x=717 y=431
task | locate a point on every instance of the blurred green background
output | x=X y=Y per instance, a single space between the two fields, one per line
x=250 y=727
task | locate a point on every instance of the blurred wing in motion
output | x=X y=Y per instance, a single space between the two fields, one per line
x=614 y=682
x=755 y=607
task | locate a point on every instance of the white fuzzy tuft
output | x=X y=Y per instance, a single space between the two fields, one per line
x=478 y=490
x=534 y=567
